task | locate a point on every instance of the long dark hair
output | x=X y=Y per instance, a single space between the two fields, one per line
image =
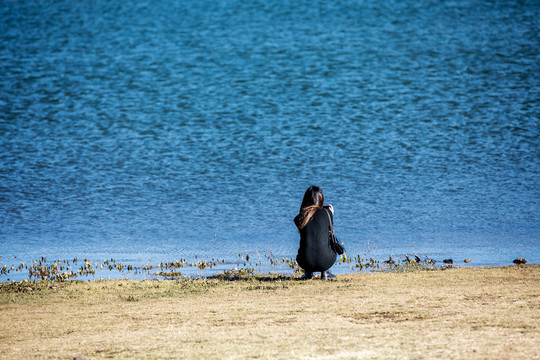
x=313 y=200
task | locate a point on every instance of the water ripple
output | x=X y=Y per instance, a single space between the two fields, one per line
x=158 y=128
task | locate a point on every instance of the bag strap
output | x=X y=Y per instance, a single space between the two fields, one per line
x=330 y=221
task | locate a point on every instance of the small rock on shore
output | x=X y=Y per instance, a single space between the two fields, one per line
x=520 y=261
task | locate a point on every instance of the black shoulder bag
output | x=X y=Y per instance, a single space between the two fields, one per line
x=335 y=244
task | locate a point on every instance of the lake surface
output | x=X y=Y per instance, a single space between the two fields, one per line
x=160 y=130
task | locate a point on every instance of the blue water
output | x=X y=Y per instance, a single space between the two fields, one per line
x=159 y=130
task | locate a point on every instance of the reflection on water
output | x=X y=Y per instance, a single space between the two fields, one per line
x=174 y=129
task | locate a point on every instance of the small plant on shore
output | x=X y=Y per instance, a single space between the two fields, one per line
x=170 y=275
x=235 y=274
x=64 y=270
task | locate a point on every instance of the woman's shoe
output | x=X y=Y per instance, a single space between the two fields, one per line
x=326 y=275
x=307 y=276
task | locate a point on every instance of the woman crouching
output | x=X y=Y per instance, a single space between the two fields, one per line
x=315 y=253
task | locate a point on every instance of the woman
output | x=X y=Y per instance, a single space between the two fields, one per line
x=315 y=253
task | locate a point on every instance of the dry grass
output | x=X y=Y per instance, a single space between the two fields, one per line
x=468 y=313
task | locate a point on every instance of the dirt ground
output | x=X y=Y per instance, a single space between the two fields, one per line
x=460 y=313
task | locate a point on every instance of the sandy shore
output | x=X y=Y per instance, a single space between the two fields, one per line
x=467 y=313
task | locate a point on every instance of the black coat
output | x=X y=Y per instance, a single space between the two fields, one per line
x=315 y=253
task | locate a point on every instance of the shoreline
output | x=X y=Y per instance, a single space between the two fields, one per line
x=241 y=264
x=458 y=313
